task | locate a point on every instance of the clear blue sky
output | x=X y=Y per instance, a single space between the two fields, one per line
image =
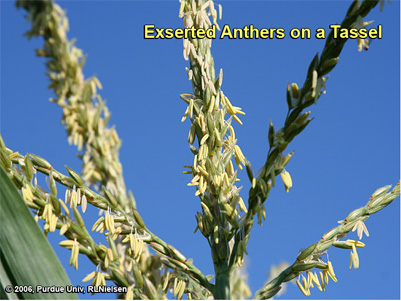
x=350 y=149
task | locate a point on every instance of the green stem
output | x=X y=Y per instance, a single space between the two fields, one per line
x=222 y=286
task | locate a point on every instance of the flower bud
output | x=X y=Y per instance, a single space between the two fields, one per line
x=117 y=275
x=307 y=252
x=109 y=196
x=137 y=275
x=271 y=134
x=28 y=168
x=287 y=158
x=77 y=178
x=249 y=170
x=342 y=244
x=40 y=162
x=304 y=266
x=328 y=65
x=138 y=218
x=294 y=90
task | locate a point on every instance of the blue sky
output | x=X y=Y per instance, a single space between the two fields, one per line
x=350 y=149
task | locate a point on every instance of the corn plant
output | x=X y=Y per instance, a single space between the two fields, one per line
x=129 y=254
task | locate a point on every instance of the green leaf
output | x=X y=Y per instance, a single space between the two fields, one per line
x=26 y=256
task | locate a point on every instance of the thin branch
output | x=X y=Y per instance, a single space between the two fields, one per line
x=311 y=256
